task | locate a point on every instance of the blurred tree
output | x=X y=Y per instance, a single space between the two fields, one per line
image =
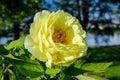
x=89 y=12
x=85 y=13
x=102 y=14
x=117 y=13
x=67 y=5
x=13 y=12
x=93 y=12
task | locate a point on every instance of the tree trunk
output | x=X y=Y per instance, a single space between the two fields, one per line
x=85 y=11
x=16 y=31
x=78 y=10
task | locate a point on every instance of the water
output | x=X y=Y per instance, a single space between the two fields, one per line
x=103 y=40
x=92 y=39
x=4 y=40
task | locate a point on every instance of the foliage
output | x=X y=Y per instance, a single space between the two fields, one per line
x=107 y=54
x=16 y=64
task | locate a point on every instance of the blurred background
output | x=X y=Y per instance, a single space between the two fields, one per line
x=100 y=18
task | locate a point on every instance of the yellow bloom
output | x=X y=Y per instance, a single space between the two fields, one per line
x=56 y=38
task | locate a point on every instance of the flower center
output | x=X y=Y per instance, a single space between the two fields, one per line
x=60 y=36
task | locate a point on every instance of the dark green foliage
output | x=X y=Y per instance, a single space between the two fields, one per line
x=107 y=54
x=72 y=71
x=104 y=54
x=3 y=51
x=18 y=65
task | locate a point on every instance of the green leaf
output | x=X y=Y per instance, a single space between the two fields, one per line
x=79 y=63
x=3 y=51
x=11 y=57
x=82 y=77
x=96 y=66
x=52 y=71
x=31 y=69
x=26 y=68
x=38 y=78
x=16 y=43
x=74 y=71
x=64 y=76
x=113 y=72
x=90 y=77
x=97 y=77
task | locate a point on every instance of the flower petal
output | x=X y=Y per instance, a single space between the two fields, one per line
x=29 y=44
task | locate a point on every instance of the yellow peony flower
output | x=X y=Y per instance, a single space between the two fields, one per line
x=56 y=38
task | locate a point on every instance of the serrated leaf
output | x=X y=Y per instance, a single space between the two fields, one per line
x=52 y=71
x=96 y=66
x=3 y=51
x=16 y=43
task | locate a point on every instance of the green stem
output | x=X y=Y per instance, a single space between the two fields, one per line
x=6 y=69
x=2 y=72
